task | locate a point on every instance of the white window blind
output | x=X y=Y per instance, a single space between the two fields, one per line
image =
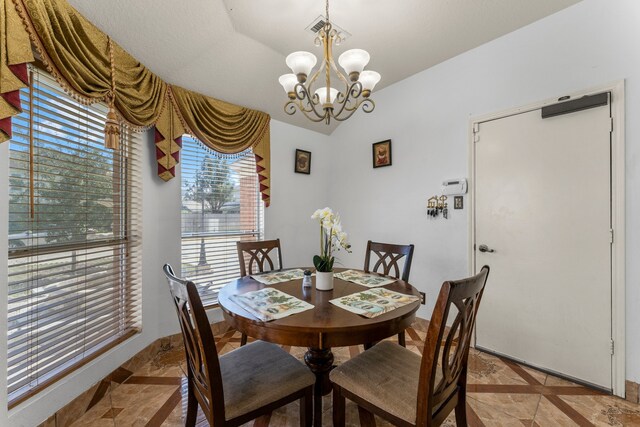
x=74 y=237
x=221 y=205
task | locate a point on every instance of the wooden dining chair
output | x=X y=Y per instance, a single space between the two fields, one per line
x=241 y=385
x=411 y=390
x=255 y=257
x=389 y=256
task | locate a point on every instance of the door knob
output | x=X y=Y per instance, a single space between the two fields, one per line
x=485 y=248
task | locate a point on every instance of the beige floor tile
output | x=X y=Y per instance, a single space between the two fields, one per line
x=548 y=415
x=605 y=410
x=492 y=416
x=521 y=406
x=94 y=416
x=139 y=402
x=487 y=369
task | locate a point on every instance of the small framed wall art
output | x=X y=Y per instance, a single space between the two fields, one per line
x=382 y=154
x=303 y=162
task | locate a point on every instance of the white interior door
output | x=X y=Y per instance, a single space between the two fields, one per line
x=543 y=204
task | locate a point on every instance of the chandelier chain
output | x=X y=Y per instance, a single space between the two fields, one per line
x=327 y=10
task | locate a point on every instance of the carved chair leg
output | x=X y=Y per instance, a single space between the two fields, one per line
x=192 y=405
x=401 y=339
x=461 y=407
x=243 y=339
x=306 y=408
x=338 y=407
x=367 y=419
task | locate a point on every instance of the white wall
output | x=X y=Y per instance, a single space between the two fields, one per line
x=427 y=117
x=295 y=196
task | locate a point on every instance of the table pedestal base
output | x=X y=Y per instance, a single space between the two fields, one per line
x=320 y=361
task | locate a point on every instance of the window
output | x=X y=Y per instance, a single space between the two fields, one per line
x=74 y=234
x=221 y=205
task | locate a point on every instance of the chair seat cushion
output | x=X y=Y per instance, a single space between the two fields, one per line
x=386 y=376
x=258 y=374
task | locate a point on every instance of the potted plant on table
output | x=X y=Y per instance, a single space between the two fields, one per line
x=332 y=239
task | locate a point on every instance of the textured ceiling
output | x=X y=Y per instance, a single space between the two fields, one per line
x=234 y=50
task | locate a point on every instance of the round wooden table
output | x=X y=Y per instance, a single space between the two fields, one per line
x=319 y=329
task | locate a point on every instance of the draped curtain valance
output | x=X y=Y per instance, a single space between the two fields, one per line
x=77 y=54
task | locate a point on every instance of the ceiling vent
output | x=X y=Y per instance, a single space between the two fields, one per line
x=318 y=23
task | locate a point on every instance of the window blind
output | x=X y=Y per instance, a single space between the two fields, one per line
x=74 y=238
x=221 y=205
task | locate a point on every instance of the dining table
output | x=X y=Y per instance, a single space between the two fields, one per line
x=321 y=328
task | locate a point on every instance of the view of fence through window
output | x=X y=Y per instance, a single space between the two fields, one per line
x=73 y=237
x=221 y=205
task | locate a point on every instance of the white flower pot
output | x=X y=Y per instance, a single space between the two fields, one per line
x=324 y=280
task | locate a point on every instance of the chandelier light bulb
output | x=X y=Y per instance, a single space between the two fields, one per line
x=353 y=62
x=369 y=79
x=301 y=63
x=322 y=95
x=289 y=82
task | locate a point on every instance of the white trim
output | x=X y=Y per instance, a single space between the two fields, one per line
x=618 y=254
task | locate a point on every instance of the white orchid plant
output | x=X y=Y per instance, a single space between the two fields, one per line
x=332 y=239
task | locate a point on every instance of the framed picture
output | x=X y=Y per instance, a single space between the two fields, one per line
x=382 y=154
x=303 y=162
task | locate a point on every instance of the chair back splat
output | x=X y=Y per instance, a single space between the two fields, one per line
x=203 y=365
x=389 y=256
x=256 y=257
x=450 y=347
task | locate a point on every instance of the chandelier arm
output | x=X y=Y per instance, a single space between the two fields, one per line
x=303 y=94
x=302 y=108
x=354 y=92
x=368 y=105
x=315 y=75
x=291 y=107
x=328 y=41
x=314 y=119
x=341 y=119
x=339 y=74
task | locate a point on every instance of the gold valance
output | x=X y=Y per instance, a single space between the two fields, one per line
x=76 y=53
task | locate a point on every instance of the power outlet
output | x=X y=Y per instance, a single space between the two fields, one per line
x=423 y=298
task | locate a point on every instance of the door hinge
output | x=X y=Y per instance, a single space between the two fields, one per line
x=610 y=235
x=476 y=132
x=613 y=347
x=611 y=129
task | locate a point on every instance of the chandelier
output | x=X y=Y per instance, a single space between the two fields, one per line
x=327 y=102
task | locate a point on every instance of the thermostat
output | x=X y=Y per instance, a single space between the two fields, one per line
x=454 y=187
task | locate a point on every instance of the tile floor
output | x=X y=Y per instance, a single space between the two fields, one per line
x=501 y=393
